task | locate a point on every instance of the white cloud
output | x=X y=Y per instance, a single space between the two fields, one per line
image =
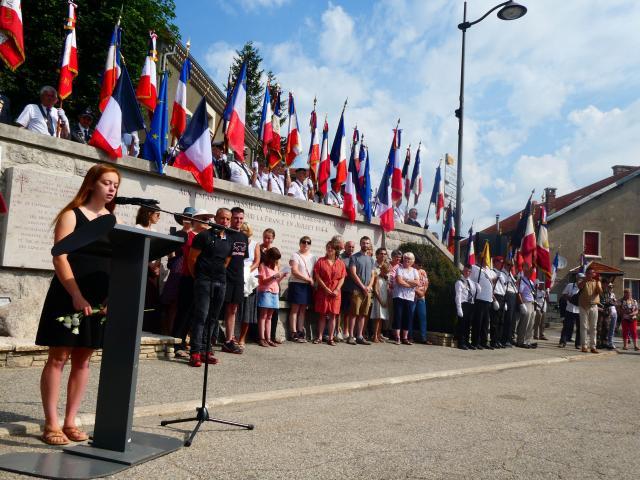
x=218 y=59
x=337 y=41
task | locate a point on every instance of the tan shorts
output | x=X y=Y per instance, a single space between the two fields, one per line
x=360 y=302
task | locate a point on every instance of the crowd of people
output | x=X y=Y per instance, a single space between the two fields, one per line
x=497 y=309
x=44 y=118
x=225 y=276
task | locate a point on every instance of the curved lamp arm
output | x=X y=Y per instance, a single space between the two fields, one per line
x=465 y=25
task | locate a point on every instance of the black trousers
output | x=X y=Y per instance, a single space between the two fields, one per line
x=508 y=317
x=182 y=321
x=480 y=325
x=497 y=316
x=464 y=324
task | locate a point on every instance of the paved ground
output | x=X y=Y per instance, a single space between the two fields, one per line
x=562 y=420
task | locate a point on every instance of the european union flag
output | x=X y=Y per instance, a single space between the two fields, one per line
x=155 y=144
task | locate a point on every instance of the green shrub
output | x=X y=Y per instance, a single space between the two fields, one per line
x=441 y=311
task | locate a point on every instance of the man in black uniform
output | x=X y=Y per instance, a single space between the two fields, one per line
x=208 y=258
x=234 y=294
x=81 y=132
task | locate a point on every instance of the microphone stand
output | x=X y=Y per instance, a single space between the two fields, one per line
x=202 y=414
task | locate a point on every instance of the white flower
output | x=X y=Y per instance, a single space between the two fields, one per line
x=75 y=321
x=75 y=331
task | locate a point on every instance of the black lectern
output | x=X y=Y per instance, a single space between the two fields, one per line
x=114 y=447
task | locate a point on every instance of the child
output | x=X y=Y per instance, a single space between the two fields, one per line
x=269 y=278
x=380 y=309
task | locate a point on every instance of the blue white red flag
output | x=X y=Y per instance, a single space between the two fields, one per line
x=384 y=207
x=339 y=155
x=396 y=181
x=179 y=113
x=366 y=187
x=69 y=59
x=471 y=251
x=294 y=147
x=195 y=148
x=362 y=172
x=147 y=90
x=155 y=144
x=266 y=128
x=405 y=174
x=437 y=194
x=112 y=68
x=108 y=133
x=349 y=205
x=324 y=171
x=314 y=147
x=275 y=154
x=235 y=130
x=416 y=178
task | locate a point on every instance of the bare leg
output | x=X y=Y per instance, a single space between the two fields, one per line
x=262 y=316
x=332 y=324
x=267 y=323
x=244 y=330
x=322 y=321
x=293 y=319
x=302 y=310
x=360 y=325
x=50 y=385
x=230 y=320
x=78 y=378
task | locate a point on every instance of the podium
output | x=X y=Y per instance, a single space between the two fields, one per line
x=114 y=446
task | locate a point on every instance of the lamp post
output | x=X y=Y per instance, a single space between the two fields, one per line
x=509 y=10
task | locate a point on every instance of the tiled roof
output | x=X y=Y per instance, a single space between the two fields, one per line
x=510 y=223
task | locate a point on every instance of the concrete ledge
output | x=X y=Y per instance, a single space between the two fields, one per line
x=179 y=408
x=20 y=353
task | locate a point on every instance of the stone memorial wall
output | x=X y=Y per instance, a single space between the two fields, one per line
x=39 y=175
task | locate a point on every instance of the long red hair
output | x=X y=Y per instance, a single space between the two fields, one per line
x=86 y=189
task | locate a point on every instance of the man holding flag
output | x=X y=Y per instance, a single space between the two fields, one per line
x=43 y=117
x=485 y=277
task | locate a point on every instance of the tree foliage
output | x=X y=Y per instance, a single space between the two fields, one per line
x=441 y=312
x=43 y=36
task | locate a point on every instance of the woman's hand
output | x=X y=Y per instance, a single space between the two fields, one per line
x=80 y=304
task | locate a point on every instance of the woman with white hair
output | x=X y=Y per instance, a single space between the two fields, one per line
x=406 y=280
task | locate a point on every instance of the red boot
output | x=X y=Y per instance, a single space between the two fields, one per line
x=194 y=360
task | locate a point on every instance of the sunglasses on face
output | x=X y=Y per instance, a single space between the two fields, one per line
x=305 y=242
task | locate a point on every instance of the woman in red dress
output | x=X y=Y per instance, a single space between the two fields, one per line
x=329 y=272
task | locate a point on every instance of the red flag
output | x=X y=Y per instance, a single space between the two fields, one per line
x=146 y=92
x=69 y=61
x=325 y=162
x=294 y=148
x=275 y=154
x=314 y=148
x=11 y=39
x=396 y=179
x=111 y=68
x=235 y=129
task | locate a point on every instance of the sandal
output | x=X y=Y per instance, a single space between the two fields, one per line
x=331 y=342
x=54 y=437
x=271 y=343
x=75 y=434
x=263 y=343
x=316 y=341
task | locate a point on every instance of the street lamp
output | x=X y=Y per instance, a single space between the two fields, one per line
x=508 y=11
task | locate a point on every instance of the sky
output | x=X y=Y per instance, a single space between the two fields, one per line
x=551 y=99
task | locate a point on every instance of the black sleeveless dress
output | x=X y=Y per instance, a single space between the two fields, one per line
x=92 y=276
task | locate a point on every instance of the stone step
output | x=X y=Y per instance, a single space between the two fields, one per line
x=17 y=352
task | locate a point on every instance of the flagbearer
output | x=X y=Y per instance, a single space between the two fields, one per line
x=412 y=218
x=466 y=290
x=499 y=304
x=509 y=315
x=485 y=277
x=43 y=117
x=82 y=131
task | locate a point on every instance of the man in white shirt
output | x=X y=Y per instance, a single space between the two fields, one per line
x=571 y=314
x=301 y=187
x=499 y=293
x=485 y=277
x=261 y=181
x=277 y=182
x=333 y=198
x=465 y=292
x=541 y=310
x=240 y=173
x=44 y=118
x=510 y=305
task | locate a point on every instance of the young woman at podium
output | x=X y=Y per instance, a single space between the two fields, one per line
x=80 y=284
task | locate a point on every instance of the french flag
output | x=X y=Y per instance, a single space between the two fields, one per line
x=195 y=149
x=274 y=151
x=363 y=172
x=314 y=148
x=108 y=133
x=449 y=232
x=416 y=178
x=294 y=148
x=11 y=37
x=266 y=127
x=471 y=252
x=339 y=154
x=366 y=186
x=235 y=130
x=355 y=149
x=147 y=90
x=178 y=121
x=384 y=209
x=349 y=204
x=437 y=194
x=405 y=174
x=528 y=245
x=112 y=68
x=324 y=171
x=69 y=60
x=396 y=180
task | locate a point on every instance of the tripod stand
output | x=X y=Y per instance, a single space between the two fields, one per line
x=203 y=412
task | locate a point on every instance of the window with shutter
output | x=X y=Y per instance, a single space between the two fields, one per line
x=631 y=245
x=592 y=244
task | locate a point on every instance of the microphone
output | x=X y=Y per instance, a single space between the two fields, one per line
x=143 y=202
